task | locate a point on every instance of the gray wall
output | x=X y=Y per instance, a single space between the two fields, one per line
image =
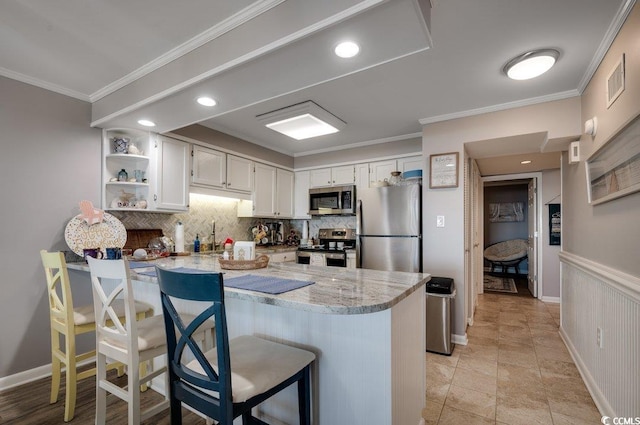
x=50 y=161
x=609 y=233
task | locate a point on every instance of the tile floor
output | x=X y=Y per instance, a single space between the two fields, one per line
x=514 y=370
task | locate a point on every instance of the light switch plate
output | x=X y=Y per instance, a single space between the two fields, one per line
x=440 y=221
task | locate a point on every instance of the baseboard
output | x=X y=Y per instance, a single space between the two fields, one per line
x=554 y=300
x=31 y=375
x=599 y=399
x=460 y=339
x=25 y=377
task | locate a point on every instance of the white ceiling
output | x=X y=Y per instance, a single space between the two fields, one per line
x=151 y=58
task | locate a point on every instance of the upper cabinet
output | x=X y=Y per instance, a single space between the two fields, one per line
x=334 y=176
x=301 y=195
x=219 y=170
x=272 y=195
x=410 y=163
x=141 y=173
x=172 y=167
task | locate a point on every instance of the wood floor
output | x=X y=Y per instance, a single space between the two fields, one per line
x=29 y=405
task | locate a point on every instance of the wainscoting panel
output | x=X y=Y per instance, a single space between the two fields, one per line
x=600 y=322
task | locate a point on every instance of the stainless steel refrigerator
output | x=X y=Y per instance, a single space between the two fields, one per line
x=389 y=228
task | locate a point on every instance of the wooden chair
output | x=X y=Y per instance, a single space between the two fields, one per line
x=68 y=321
x=229 y=380
x=128 y=341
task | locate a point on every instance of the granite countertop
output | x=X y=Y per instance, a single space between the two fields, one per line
x=336 y=290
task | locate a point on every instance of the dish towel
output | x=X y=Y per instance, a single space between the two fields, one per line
x=265 y=284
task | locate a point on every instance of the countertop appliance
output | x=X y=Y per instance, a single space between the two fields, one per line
x=336 y=200
x=388 y=228
x=331 y=249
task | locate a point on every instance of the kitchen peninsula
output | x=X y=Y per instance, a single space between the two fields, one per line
x=366 y=327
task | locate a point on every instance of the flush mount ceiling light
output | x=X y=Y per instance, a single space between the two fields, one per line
x=206 y=101
x=347 y=49
x=147 y=123
x=531 y=64
x=302 y=121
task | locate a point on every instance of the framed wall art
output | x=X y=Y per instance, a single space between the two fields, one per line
x=443 y=170
x=614 y=169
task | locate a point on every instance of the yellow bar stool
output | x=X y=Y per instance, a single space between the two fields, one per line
x=68 y=321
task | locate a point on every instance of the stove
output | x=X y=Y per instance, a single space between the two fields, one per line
x=331 y=248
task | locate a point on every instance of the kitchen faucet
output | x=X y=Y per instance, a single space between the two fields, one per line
x=213 y=235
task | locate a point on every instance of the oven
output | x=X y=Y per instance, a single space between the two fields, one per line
x=331 y=249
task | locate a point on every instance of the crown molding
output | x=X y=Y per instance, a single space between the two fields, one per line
x=205 y=37
x=43 y=84
x=606 y=42
x=359 y=144
x=500 y=107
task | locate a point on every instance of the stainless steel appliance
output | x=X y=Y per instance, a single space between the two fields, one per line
x=337 y=200
x=388 y=228
x=331 y=250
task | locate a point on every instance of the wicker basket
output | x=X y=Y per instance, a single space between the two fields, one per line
x=259 y=263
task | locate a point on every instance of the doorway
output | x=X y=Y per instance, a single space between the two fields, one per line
x=511 y=212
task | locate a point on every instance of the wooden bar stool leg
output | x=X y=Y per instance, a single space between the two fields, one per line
x=304 y=397
x=71 y=377
x=56 y=366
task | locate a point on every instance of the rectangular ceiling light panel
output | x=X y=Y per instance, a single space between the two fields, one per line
x=302 y=121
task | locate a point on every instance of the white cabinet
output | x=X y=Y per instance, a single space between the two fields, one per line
x=282 y=257
x=362 y=177
x=209 y=167
x=239 y=173
x=301 y=195
x=284 y=193
x=410 y=163
x=381 y=170
x=351 y=259
x=272 y=194
x=335 y=176
x=156 y=174
x=219 y=170
x=172 y=183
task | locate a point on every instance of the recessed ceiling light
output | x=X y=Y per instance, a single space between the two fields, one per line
x=347 y=49
x=531 y=64
x=147 y=123
x=526 y=161
x=206 y=101
x=302 y=121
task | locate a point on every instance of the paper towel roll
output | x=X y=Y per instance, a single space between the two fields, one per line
x=179 y=237
x=305 y=230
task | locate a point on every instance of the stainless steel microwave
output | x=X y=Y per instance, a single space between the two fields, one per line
x=336 y=200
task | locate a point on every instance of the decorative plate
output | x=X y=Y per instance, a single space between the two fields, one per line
x=108 y=234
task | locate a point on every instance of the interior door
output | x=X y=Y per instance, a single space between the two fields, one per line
x=532 y=212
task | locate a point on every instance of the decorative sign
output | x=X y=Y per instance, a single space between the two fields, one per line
x=443 y=170
x=555 y=221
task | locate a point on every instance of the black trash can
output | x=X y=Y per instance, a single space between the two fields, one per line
x=440 y=294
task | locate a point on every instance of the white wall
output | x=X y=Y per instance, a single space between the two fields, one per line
x=50 y=161
x=444 y=247
x=551 y=193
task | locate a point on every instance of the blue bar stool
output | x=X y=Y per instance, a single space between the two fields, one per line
x=235 y=376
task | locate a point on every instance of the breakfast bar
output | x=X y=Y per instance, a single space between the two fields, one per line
x=366 y=327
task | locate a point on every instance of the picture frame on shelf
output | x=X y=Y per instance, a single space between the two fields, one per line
x=443 y=170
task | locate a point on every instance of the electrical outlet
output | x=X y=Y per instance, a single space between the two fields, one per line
x=599 y=337
x=440 y=221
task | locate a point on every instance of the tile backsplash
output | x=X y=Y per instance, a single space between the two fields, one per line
x=204 y=209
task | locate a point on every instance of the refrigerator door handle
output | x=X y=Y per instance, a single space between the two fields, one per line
x=358 y=230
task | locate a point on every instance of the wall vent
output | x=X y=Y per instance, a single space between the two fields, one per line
x=615 y=82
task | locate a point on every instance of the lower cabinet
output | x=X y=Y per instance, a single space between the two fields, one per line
x=282 y=257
